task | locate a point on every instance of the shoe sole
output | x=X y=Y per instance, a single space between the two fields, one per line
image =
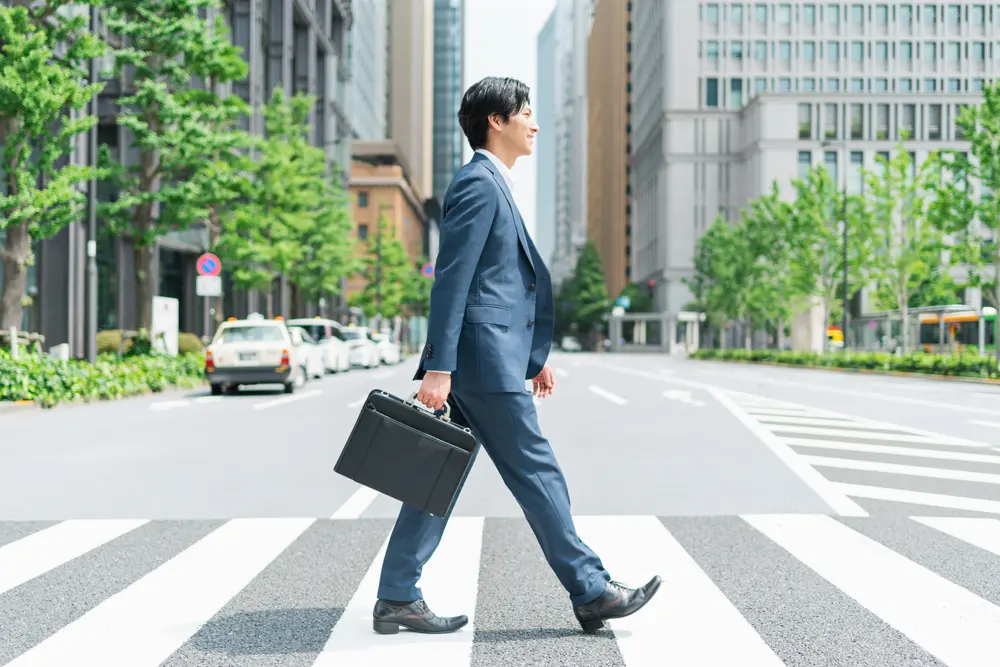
x=392 y=628
x=590 y=627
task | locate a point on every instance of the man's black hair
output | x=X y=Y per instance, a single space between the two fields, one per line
x=503 y=96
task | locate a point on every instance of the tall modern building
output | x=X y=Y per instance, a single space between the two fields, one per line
x=544 y=97
x=288 y=44
x=729 y=96
x=449 y=43
x=572 y=27
x=369 y=61
x=608 y=135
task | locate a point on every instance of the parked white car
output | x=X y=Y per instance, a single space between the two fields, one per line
x=336 y=353
x=256 y=351
x=388 y=349
x=309 y=350
x=364 y=351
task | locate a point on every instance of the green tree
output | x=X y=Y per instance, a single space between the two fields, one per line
x=903 y=232
x=42 y=78
x=590 y=290
x=168 y=188
x=388 y=272
x=966 y=196
x=640 y=300
x=418 y=291
x=262 y=236
x=721 y=264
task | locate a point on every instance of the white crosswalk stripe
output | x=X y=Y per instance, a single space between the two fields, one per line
x=169 y=614
x=874 y=460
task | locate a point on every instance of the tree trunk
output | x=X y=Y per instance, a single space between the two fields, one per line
x=269 y=302
x=17 y=247
x=748 y=335
x=294 y=306
x=145 y=288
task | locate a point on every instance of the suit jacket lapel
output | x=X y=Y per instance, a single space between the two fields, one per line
x=518 y=222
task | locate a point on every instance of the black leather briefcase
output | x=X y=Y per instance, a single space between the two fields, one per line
x=404 y=451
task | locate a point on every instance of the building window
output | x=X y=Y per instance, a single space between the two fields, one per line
x=908 y=121
x=760 y=84
x=712 y=14
x=833 y=85
x=712 y=92
x=805 y=164
x=809 y=15
x=809 y=85
x=934 y=122
x=882 y=121
x=805 y=121
x=362 y=231
x=363 y=199
x=830 y=121
x=906 y=85
x=857 y=15
x=954 y=85
x=930 y=85
x=784 y=85
x=760 y=52
x=857 y=121
x=881 y=85
x=855 y=181
x=736 y=93
x=857 y=85
x=830 y=160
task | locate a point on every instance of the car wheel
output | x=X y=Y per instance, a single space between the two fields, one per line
x=216 y=389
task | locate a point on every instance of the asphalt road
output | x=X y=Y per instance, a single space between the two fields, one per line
x=798 y=517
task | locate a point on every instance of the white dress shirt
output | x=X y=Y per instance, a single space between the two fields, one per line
x=507 y=175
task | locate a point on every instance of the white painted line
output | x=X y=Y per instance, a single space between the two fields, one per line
x=284 y=400
x=984 y=423
x=948 y=621
x=145 y=623
x=451 y=582
x=919 y=498
x=901 y=469
x=207 y=399
x=161 y=406
x=893 y=450
x=682 y=396
x=683 y=623
x=51 y=547
x=603 y=393
x=819 y=421
x=789 y=412
x=840 y=503
x=982 y=533
x=872 y=435
x=356 y=505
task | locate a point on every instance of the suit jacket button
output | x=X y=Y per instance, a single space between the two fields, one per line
x=532 y=287
x=531 y=323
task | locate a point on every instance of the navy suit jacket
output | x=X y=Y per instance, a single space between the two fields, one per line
x=491 y=313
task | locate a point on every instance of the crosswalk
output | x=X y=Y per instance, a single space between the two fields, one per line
x=756 y=590
x=874 y=460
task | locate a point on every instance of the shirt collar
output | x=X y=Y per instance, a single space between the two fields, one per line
x=504 y=171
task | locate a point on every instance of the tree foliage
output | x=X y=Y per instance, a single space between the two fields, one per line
x=43 y=78
x=388 y=271
x=177 y=129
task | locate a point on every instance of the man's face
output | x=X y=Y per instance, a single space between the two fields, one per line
x=518 y=134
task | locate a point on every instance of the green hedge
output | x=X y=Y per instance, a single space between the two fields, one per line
x=931 y=364
x=47 y=381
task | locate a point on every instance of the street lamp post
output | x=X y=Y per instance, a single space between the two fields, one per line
x=91 y=319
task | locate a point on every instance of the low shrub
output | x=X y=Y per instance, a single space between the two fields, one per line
x=931 y=364
x=48 y=381
x=109 y=340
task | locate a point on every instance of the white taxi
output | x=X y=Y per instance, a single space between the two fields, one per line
x=255 y=351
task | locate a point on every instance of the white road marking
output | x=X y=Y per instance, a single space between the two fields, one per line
x=682 y=396
x=820 y=421
x=451 y=582
x=603 y=393
x=893 y=450
x=284 y=400
x=145 y=623
x=356 y=505
x=682 y=624
x=984 y=423
x=919 y=498
x=982 y=533
x=872 y=435
x=41 y=551
x=790 y=412
x=207 y=399
x=840 y=503
x=901 y=469
x=948 y=621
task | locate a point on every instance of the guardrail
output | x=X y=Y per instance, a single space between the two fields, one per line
x=13 y=340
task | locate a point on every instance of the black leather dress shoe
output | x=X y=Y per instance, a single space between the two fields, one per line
x=617 y=601
x=387 y=618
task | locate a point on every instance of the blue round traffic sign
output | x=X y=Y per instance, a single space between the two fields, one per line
x=428 y=269
x=209 y=265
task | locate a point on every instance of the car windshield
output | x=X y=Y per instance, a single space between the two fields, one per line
x=352 y=334
x=251 y=334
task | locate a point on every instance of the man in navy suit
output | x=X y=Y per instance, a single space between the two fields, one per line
x=490 y=329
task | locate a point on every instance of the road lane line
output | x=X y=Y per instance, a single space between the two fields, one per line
x=145 y=623
x=356 y=505
x=273 y=403
x=872 y=435
x=893 y=450
x=682 y=624
x=36 y=554
x=208 y=399
x=919 y=498
x=902 y=469
x=984 y=423
x=451 y=579
x=979 y=532
x=821 y=421
x=603 y=393
x=820 y=485
x=948 y=621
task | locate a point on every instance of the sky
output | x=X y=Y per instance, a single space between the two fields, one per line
x=501 y=37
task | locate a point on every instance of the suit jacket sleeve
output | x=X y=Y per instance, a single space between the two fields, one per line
x=468 y=218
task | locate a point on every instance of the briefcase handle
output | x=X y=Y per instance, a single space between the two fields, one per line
x=412 y=400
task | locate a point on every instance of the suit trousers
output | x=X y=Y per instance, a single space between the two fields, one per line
x=506 y=424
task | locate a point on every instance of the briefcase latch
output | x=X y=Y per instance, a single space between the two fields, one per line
x=412 y=400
